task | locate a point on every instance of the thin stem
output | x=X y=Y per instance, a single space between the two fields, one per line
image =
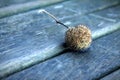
x=57 y=21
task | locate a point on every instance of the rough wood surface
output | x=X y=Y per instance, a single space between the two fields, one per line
x=23 y=7
x=113 y=76
x=4 y=3
x=102 y=57
x=30 y=33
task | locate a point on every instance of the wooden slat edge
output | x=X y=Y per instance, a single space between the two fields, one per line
x=19 y=8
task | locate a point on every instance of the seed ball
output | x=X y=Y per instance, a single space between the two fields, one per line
x=78 y=38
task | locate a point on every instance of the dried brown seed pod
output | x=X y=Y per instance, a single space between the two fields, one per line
x=78 y=38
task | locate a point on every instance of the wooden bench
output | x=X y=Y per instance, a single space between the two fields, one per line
x=31 y=43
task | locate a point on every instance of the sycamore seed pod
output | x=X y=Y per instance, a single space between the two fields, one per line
x=76 y=38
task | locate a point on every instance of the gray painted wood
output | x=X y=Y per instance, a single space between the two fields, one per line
x=4 y=3
x=102 y=57
x=38 y=29
x=23 y=7
x=113 y=76
x=30 y=33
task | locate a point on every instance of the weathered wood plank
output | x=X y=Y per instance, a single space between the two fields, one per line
x=113 y=76
x=19 y=8
x=89 y=65
x=26 y=35
x=40 y=56
x=14 y=29
x=4 y=3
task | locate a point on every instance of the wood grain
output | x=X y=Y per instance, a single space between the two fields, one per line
x=113 y=76
x=102 y=57
x=31 y=38
x=23 y=7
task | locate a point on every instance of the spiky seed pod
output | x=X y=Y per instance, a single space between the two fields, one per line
x=78 y=38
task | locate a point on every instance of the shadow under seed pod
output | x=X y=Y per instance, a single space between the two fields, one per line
x=85 y=50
